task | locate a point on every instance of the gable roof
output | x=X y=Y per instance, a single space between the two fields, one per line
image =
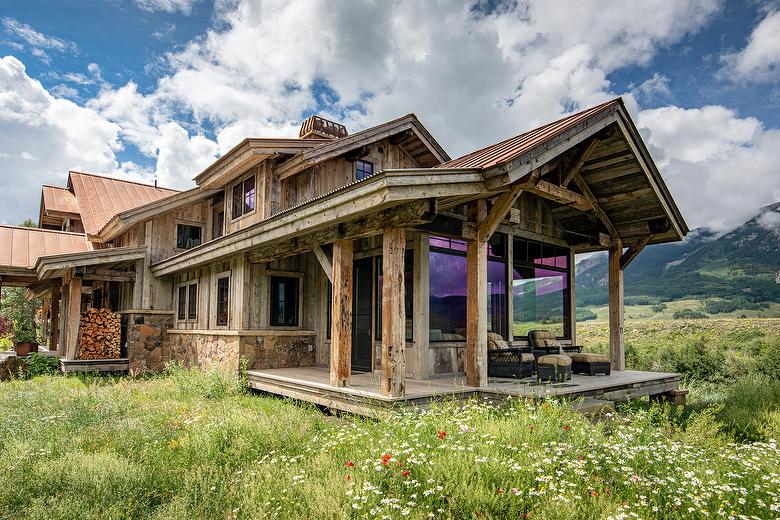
x=100 y=198
x=59 y=200
x=505 y=151
x=20 y=247
x=422 y=146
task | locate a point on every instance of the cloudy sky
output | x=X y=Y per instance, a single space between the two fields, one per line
x=160 y=88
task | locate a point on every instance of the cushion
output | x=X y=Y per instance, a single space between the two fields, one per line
x=542 y=334
x=588 y=357
x=549 y=344
x=493 y=336
x=554 y=360
x=497 y=344
x=526 y=357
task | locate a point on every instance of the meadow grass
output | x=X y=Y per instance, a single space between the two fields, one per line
x=193 y=445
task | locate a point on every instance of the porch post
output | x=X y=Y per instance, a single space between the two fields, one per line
x=476 y=306
x=616 y=346
x=55 y=318
x=393 y=313
x=341 y=326
x=74 y=319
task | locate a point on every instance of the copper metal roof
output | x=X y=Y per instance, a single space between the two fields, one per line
x=60 y=200
x=21 y=247
x=100 y=198
x=505 y=151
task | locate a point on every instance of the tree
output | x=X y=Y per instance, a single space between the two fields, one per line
x=22 y=314
x=29 y=223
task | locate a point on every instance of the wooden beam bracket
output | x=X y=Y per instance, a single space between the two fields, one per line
x=633 y=251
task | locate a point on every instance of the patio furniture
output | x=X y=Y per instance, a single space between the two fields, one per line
x=553 y=367
x=544 y=342
x=589 y=363
x=510 y=362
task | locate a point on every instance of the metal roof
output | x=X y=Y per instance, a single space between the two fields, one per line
x=505 y=151
x=60 y=200
x=100 y=198
x=20 y=247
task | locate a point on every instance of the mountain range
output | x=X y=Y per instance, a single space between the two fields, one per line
x=738 y=269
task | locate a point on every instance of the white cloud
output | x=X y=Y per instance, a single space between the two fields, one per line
x=654 y=87
x=181 y=157
x=65 y=91
x=168 y=6
x=38 y=42
x=721 y=168
x=760 y=59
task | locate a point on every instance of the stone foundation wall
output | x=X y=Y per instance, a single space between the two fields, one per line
x=278 y=351
x=147 y=340
x=205 y=351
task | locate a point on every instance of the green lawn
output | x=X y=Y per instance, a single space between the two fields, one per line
x=191 y=445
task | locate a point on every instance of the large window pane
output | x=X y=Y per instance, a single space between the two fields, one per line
x=496 y=291
x=447 y=296
x=408 y=296
x=539 y=300
x=284 y=301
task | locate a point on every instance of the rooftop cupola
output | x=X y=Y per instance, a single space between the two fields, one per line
x=317 y=127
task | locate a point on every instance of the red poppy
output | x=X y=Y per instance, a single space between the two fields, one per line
x=441 y=434
x=594 y=493
x=347 y=477
x=566 y=427
x=386 y=458
x=405 y=473
x=349 y=463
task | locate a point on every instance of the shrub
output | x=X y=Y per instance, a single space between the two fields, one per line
x=688 y=314
x=585 y=314
x=38 y=364
x=658 y=308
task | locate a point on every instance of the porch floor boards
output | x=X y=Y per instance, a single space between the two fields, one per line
x=94 y=365
x=363 y=396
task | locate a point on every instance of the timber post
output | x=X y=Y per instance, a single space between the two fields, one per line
x=74 y=319
x=476 y=305
x=393 y=313
x=341 y=326
x=54 y=335
x=616 y=346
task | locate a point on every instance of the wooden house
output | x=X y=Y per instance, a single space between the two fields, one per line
x=349 y=266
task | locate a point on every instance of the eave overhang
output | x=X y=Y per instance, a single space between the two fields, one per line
x=54 y=266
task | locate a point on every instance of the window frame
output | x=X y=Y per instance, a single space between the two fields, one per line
x=217 y=277
x=270 y=274
x=365 y=160
x=186 y=286
x=241 y=184
x=218 y=206
x=567 y=273
x=190 y=223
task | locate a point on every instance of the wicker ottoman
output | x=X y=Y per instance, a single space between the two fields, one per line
x=510 y=363
x=589 y=363
x=553 y=367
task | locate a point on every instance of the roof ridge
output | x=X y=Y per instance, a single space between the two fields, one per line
x=88 y=174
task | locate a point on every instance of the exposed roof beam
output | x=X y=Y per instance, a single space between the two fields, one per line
x=583 y=186
x=633 y=251
x=497 y=213
x=577 y=164
x=548 y=190
x=325 y=262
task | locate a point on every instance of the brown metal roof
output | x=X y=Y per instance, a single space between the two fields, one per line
x=59 y=199
x=505 y=151
x=20 y=247
x=100 y=198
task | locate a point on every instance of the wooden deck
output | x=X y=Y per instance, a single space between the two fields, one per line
x=363 y=396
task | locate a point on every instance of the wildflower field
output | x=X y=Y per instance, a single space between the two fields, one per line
x=192 y=445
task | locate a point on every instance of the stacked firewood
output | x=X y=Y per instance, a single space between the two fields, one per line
x=99 y=334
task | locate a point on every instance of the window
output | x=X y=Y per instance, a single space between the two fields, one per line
x=363 y=169
x=223 y=298
x=408 y=296
x=243 y=197
x=187 y=303
x=284 y=301
x=447 y=297
x=218 y=216
x=188 y=236
x=540 y=289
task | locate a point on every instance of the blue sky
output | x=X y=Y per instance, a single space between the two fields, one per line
x=160 y=88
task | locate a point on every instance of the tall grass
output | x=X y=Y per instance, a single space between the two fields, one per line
x=192 y=445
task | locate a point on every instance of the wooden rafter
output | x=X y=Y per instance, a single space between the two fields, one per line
x=552 y=191
x=572 y=170
x=633 y=251
x=497 y=213
x=324 y=261
x=595 y=205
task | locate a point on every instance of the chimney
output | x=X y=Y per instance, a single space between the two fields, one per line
x=317 y=127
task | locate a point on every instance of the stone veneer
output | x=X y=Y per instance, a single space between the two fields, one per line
x=224 y=350
x=151 y=342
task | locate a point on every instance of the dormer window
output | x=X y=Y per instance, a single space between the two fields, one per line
x=244 y=197
x=363 y=169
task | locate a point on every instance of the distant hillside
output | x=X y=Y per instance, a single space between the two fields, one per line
x=740 y=269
